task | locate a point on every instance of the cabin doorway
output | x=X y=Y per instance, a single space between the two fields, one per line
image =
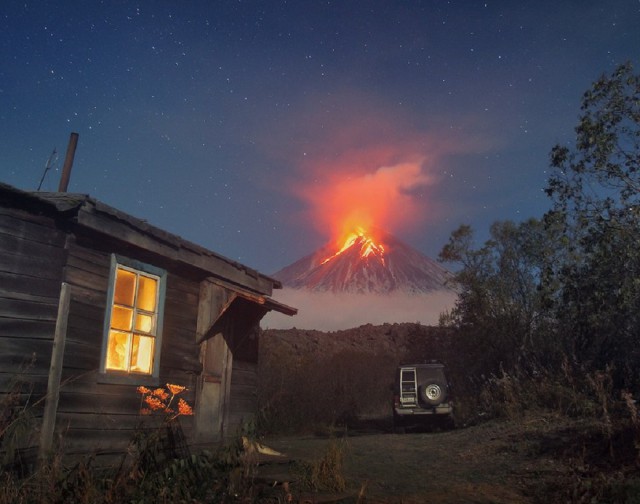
x=212 y=407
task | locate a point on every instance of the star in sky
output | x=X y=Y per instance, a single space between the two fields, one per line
x=217 y=120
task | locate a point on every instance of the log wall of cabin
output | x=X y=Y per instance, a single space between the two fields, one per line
x=31 y=258
x=98 y=416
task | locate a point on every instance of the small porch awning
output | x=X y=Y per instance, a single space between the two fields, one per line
x=245 y=308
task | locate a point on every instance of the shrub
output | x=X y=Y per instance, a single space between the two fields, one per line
x=326 y=472
x=310 y=392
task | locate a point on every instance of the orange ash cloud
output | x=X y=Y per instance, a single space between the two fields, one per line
x=367 y=196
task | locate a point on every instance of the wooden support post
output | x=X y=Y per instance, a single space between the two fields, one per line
x=55 y=374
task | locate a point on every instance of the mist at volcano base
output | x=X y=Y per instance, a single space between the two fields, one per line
x=328 y=311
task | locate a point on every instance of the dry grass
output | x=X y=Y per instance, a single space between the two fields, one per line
x=326 y=472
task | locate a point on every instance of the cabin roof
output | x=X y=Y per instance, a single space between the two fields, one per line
x=89 y=213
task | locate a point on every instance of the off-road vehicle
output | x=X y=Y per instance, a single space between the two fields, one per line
x=422 y=395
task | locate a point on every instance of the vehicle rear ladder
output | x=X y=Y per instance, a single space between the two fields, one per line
x=408 y=387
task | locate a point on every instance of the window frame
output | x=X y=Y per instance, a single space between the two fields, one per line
x=119 y=376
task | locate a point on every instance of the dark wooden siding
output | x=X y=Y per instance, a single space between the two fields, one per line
x=38 y=253
x=101 y=417
x=31 y=258
x=242 y=406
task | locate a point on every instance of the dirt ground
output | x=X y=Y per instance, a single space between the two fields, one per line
x=525 y=460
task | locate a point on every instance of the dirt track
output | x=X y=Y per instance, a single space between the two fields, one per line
x=497 y=462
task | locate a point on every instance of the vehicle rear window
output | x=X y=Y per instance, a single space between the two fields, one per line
x=427 y=374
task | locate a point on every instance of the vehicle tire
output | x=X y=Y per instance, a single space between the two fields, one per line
x=433 y=393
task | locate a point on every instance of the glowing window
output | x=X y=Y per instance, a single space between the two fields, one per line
x=134 y=315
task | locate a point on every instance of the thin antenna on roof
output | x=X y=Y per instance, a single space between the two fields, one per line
x=68 y=162
x=48 y=166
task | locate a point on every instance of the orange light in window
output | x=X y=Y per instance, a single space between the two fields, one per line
x=144 y=323
x=118 y=350
x=147 y=293
x=122 y=318
x=125 y=290
x=134 y=309
x=142 y=354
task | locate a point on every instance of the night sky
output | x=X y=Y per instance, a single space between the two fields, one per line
x=245 y=126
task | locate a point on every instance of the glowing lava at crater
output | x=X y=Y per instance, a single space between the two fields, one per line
x=359 y=239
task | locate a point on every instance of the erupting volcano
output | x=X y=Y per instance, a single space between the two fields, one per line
x=365 y=262
x=365 y=275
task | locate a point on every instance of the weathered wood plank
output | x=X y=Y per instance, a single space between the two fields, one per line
x=187 y=363
x=19 y=245
x=95 y=440
x=32 y=227
x=88 y=297
x=86 y=279
x=88 y=259
x=86 y=315
x=32 y=265
x=29 y=297
x=27 y=329
x=27 y=309
x=182 y=284
x=88 y=384
x=25 y=355
x=33 y=385
x=115 y=404
x=11 y=282
x=103 y=421
x=112 y=423
x=178 y=333
x=183 y=319
x=81 y=355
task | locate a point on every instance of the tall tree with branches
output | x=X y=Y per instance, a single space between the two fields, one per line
x=499 y=316
x=595 y=188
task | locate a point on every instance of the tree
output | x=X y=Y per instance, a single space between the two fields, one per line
x=499 y=314
x=595 y=188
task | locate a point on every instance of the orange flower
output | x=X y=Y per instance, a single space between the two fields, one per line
x=175 y=389
x=184 y=408
x=161 y=394
x=154 y=403
x=143 y=390
x=145 y=411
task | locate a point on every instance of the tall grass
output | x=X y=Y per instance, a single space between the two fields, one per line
x=327 y=471
x=154 y=468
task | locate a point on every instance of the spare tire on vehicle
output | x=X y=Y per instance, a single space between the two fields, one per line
x=432 y=393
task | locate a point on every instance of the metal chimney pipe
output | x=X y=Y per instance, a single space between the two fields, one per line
x=68 y=163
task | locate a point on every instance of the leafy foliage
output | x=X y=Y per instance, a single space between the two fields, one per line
x=595 y=188
x=561 y=295
x=499 y=314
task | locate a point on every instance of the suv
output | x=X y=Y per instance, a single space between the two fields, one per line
x=421 y=393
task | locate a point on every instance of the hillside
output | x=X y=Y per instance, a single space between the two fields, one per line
x=404 y=341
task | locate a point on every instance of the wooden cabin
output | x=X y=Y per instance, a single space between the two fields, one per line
x=95 y=302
